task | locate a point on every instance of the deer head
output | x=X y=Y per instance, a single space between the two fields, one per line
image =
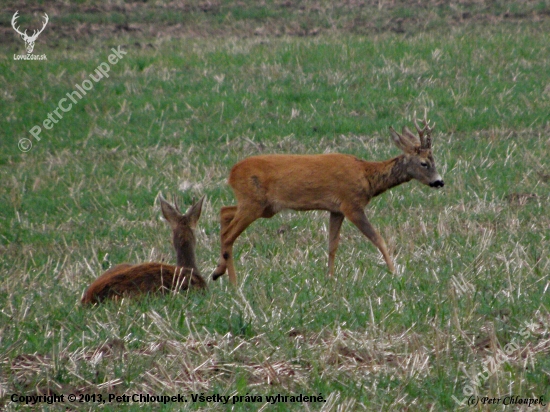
x=420 y=163
x=29 y=40
x=183 y=229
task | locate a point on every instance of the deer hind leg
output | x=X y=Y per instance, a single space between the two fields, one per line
x=359 y=219
x=236 y=221
x=227 y=213
x=335 y=223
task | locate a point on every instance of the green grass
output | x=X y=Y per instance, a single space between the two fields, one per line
x=179 y=110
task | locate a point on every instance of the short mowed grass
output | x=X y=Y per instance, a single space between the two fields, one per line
x=173 y=117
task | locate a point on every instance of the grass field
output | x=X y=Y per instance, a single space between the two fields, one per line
x=205 y=84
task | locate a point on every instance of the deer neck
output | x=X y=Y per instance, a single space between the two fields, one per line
x=185 y=256
x=389 y=173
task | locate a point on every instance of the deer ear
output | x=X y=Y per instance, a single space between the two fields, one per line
x=194 y=213
x=413 y=138
x=402 y=142
x=395 y=137
x=169 y=212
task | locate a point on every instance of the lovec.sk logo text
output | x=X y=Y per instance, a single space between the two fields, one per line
x=29 y=40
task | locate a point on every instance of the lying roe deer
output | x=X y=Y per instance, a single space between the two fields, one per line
x=339 y=183
x=128 y=279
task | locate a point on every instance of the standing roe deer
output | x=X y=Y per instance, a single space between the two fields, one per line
x=339 y=183
x=127 y=279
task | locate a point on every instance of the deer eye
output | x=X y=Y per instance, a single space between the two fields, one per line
x=424 y=164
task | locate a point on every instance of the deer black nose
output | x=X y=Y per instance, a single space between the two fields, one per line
x=437 y=183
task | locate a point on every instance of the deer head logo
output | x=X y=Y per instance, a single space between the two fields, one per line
x=29 y=40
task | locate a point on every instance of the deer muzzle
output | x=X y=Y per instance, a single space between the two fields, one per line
x=437 y=184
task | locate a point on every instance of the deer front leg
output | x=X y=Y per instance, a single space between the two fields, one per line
x=335 y=223
x=358 y=218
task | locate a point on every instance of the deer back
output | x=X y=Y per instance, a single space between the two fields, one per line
x=130 y=280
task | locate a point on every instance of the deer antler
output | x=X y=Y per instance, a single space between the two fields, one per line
x=13 y=22
x=36 y=33
x=425 y=133
x=29 y=40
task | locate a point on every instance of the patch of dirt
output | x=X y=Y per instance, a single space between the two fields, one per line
x=520 y=199
x=93 y=19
